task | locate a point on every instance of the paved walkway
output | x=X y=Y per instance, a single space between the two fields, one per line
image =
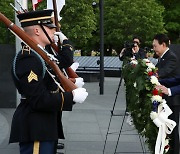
x=86 y=126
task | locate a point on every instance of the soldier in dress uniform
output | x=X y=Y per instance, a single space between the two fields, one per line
x=65 y=57
x=35 y=122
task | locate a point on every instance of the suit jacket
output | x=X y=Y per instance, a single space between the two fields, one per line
x=173 y=84
x=140 y=54
x=168 y=65
x=168 y=68
x=129 y=53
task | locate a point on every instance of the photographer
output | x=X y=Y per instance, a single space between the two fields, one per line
x=132 y=50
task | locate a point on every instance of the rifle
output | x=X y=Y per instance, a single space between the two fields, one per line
x=15 y=9
x=24 y=10
x=66 y=83
x=70 y=71
x=71 y=74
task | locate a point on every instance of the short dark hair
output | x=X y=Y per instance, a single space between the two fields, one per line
x=162 y=38
x=137 y=37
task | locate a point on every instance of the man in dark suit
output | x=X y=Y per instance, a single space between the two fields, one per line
x=170 y=86
x=168 y=67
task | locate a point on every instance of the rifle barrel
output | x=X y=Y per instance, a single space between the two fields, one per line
x=15 y=9
x=66 y=83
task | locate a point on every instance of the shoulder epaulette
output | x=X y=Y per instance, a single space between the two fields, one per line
x=31 y=53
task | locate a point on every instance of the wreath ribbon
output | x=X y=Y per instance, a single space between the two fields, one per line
x=165 y=125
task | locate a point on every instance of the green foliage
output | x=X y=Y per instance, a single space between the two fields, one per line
x=172 y=19
x=126 y=18
x=78 y=22
x=138 y=98
x=122 y=20
x=6 y=36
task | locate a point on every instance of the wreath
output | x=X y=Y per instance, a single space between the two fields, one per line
x=145 y=104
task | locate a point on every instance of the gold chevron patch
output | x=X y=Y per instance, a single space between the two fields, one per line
x=32 y=76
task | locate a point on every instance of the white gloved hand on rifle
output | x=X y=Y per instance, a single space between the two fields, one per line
x=74 y=66
x=79 y=82
x=79 y=95
x=59 y=36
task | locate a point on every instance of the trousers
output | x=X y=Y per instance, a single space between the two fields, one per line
x=37 y=147
x=174 y=142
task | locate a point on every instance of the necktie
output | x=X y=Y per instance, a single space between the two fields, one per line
x=159 y=60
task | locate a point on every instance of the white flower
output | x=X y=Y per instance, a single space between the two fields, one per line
x=146 y=60
x=153 y=115
x=150 y=65
x=156 y=98
x=135 y=84
x=154 y=80
x=149 y=69
x=134 y=61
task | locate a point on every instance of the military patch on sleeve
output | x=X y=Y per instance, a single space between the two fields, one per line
x=68 y=45
x=32 y=76
x=26 y=48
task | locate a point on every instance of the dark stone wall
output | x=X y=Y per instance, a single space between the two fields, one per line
x=176 y=49
x=7 y=88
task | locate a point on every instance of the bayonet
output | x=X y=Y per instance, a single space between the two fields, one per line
x=15 y=9
x=24 y=10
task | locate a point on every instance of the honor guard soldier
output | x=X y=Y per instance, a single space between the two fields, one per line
x=35 y=122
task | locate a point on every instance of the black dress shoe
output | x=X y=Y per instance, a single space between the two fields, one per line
x=60 y=146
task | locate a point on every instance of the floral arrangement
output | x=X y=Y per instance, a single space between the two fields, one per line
x=148 y=110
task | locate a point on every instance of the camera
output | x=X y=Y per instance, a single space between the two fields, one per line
x=128 y=49
x=128 y=45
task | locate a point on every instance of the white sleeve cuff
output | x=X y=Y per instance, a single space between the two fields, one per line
x=169 y=92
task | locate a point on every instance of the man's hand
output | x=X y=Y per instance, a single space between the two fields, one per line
x=79 y=95
x=163 y=89
x=122 y=52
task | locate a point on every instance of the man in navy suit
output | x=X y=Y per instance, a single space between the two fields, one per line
x=170 y=86
x=168 y=68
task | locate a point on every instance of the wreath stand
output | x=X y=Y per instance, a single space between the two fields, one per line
x=120 y=131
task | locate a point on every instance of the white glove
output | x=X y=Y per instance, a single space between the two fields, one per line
x=79 y=95
x=56 y=39
x=79 y=82
x=59 y=35
x=74 y=66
